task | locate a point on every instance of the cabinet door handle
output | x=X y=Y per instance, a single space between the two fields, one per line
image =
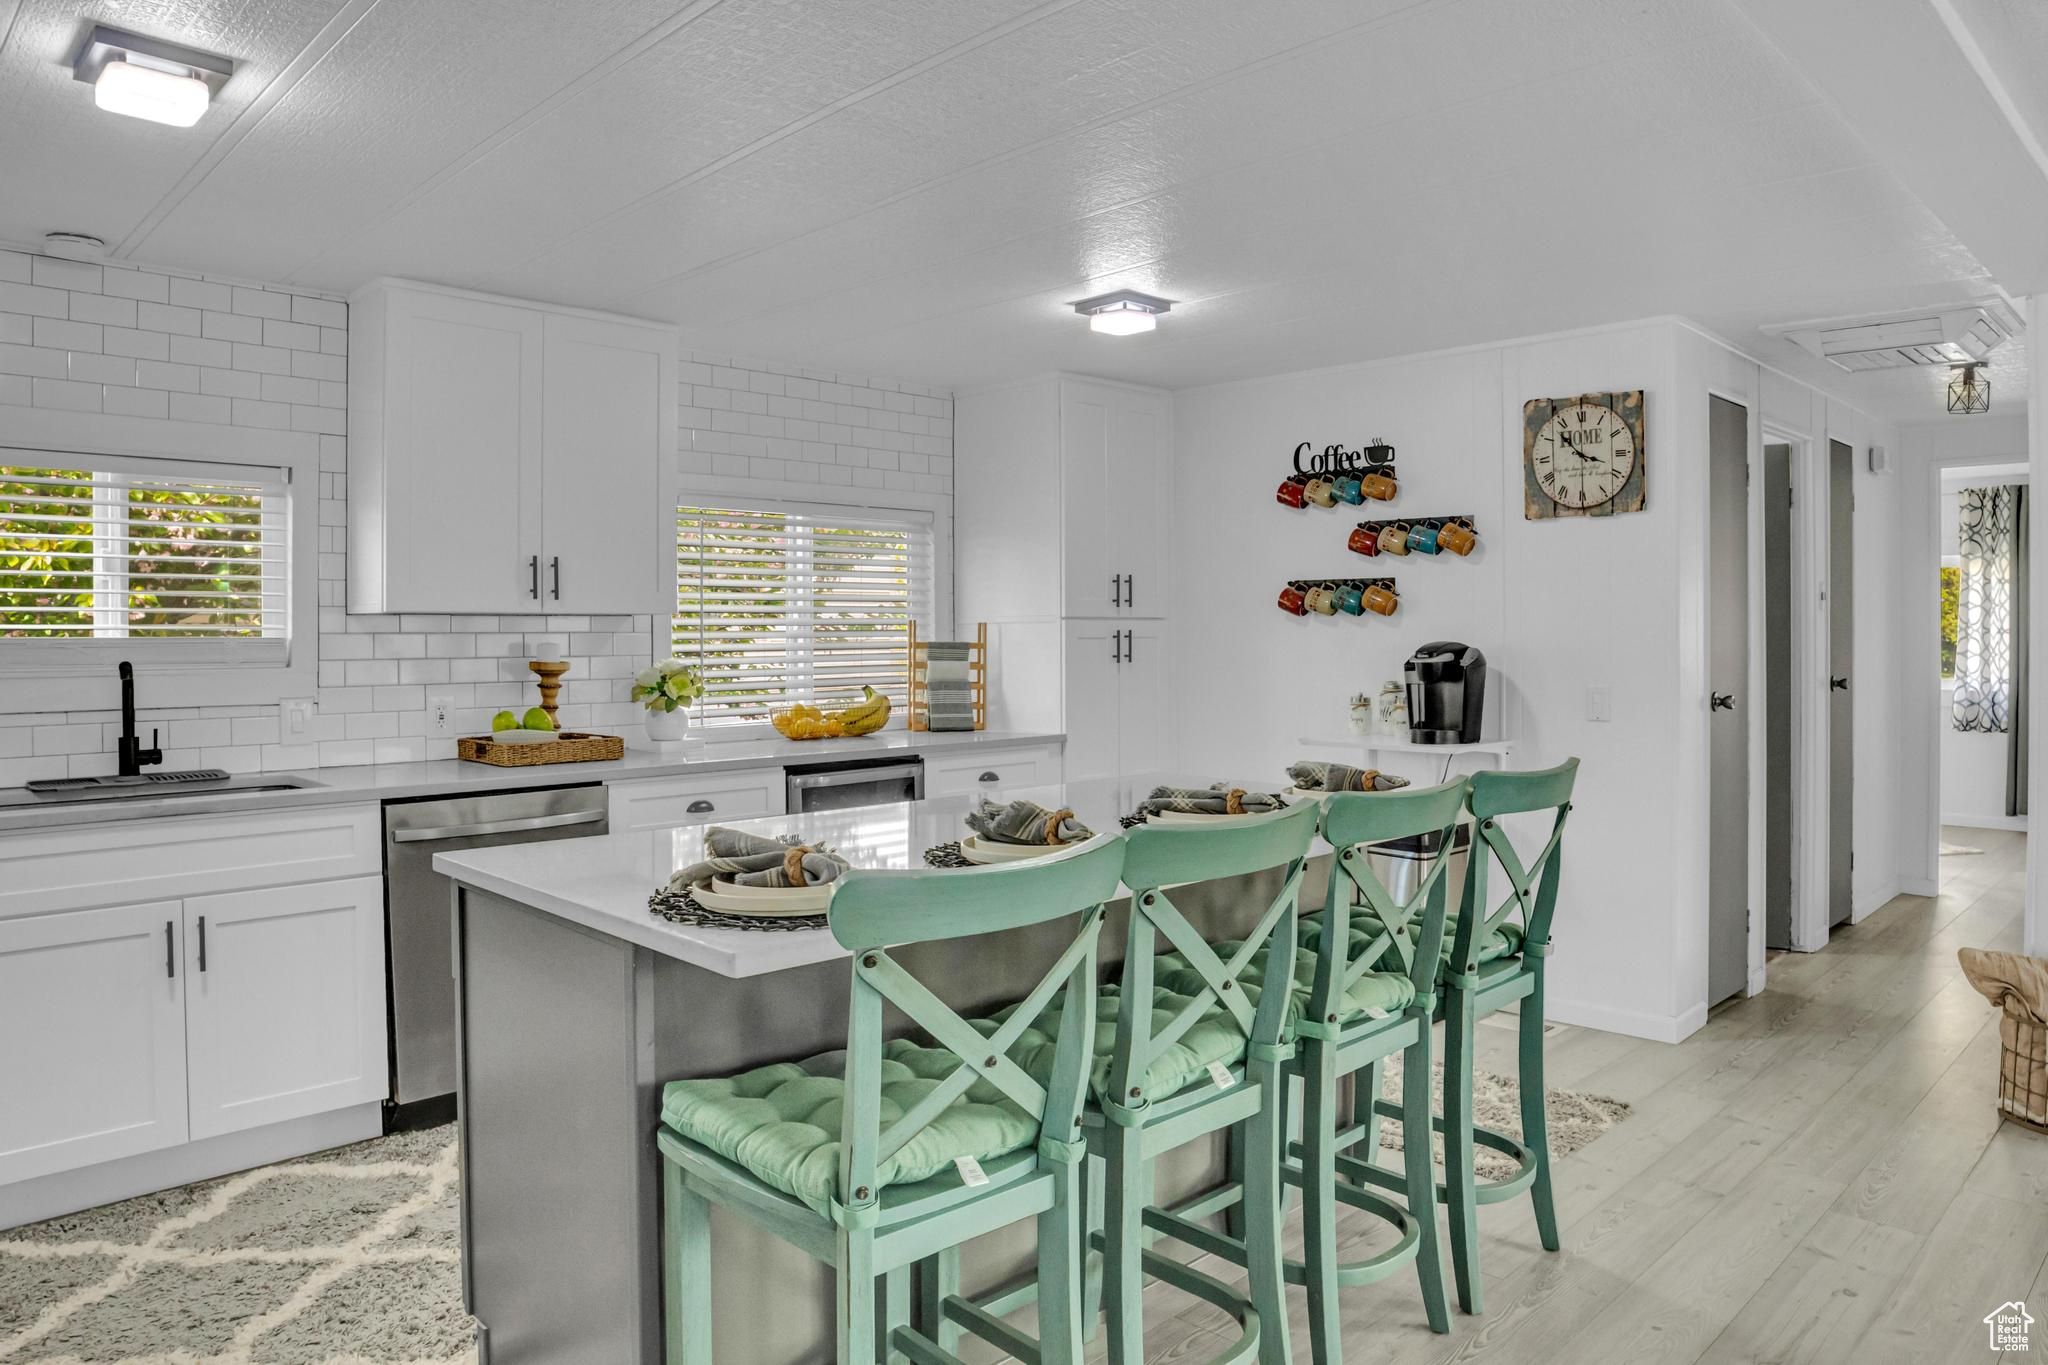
x=1116 y=590
x=170 y=952
x=533 y=577
x=1116 y=646
x=988 y=776
x=555 y=569
x=1130 y=590
x=700 y=807
x=1130 y=647
x=202 y=943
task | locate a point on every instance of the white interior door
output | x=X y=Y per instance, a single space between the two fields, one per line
x=1093 y=675
x=610 y=401
x=1138 y=492
x=1086 y=516
x=92 y=1011
x=1144 y=722
x=285 y=1003
x=462 y=459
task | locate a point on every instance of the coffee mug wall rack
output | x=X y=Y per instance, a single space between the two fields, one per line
x=1353 y=487
x=1416 y=535
x=1335 y=596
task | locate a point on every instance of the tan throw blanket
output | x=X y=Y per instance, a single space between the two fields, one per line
x=1311 y=776
x=2018 y=986
x=754 y=860
x=1026 y=822
x=1216 y=800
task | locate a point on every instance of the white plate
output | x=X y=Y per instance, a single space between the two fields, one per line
x=525 y=736
x=1294 y=794
x=976 y=850
x=767 y=901
x=1192 y=817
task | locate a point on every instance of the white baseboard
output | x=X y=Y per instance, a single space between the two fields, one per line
x=1918 y=886
x=1658 y=1029
x=1875 y=902
x=2018 y=822
x=62 y=1192
x=1756 y=982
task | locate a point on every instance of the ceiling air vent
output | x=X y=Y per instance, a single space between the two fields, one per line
x=1948 y=336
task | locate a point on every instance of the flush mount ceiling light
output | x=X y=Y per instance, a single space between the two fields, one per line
x=1968 y=393
x=149 y=79
x=1122 y=312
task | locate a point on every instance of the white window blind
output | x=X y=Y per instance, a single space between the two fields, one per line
x=797 y=604
x=177 y=560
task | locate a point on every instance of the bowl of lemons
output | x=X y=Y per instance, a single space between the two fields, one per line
x=535 y=727
x=803 y=721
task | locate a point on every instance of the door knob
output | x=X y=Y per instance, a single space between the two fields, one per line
x=1838 y=684
x=1720 y=701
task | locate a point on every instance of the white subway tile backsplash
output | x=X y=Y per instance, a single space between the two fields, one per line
x=62 y=393
x=100 y=308
x=14 y=267
x=231 y=327
x=66 y=335
x=90 y=368
x=34 y=299
x=144 y=285
x=261 y=303
x=196 y=407
x=61 y=274
x=131 y=342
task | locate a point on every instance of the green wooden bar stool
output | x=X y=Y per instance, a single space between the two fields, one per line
x=1201 y=1046
x=1495 y=960
x=864 y=1161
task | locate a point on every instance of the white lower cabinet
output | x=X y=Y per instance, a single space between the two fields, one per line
x=1117 y=703
x=664 y=802
x=947 y=774
x=92 y=1011
x=284 y=1003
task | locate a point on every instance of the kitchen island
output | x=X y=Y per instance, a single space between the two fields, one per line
x=576 y=1004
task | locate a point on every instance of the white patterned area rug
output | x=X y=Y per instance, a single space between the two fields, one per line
x=1574 y=1117
x=349 y=1257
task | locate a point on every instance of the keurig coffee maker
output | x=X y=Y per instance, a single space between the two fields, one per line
x=1446 y=693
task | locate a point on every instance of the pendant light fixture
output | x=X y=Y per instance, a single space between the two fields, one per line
x=1123 y=313
x=1968 y=393
x=149 y=79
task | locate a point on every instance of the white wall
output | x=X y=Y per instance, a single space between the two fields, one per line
x=154 y=349
x=1557 y=606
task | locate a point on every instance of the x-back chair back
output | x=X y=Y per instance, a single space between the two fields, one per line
x=1531 y=890
x=871 y=911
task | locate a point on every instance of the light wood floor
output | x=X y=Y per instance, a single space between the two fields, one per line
x=1817 y=1175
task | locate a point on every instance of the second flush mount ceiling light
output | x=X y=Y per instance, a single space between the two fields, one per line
x=1123 y=312
x=147 y=78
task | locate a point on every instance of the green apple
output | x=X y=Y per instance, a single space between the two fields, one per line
x=537 y=719
x=504 y=720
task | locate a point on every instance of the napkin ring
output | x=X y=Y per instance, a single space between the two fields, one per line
x=1233 y=801
x=1052 y=826
x=793 y=865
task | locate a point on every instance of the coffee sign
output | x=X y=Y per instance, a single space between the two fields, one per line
x=1337 y=459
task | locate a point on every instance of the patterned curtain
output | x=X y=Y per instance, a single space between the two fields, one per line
x=1987 y=524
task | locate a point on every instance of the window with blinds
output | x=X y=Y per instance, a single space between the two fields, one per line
x=797 y=604
x=176 y=560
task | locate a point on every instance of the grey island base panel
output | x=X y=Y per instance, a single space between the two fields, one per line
x=567 y=1036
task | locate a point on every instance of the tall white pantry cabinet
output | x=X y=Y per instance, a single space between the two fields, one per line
x=1060 y=514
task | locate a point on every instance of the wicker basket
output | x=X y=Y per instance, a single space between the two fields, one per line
x=572 y=747
x=2023 y=1072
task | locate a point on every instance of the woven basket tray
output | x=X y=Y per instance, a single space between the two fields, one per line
x=572 y=747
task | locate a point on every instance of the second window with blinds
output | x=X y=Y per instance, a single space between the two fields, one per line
x=798 y=603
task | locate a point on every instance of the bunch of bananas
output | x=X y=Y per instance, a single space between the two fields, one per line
x=802 y=721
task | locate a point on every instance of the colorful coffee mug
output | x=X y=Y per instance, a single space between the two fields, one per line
x=1380 y=601
x=1365 y=540
x=1293 y=492
x=1322 y=599
x=1350 y=599
x=1457 y=538
x=1423 y=539
x=1394 y=538
x=1292 y=601
x=1322 y=492
x=1348 y=489
x=1379 y=487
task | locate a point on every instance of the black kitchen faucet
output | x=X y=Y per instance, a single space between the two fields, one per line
x=133 y=757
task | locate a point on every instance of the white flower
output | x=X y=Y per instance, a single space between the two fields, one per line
x=647 y=677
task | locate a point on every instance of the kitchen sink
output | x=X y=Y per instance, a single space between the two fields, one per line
x=147 y=787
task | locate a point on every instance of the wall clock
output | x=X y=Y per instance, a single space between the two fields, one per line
x=1583 y=456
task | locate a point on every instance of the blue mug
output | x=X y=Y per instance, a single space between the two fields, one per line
x=1348 y=489
x=1351 y=599
x=1423 y=539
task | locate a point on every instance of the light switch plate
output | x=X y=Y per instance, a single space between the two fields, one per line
x=1599 y=702
x=440 y=713
x=298 y=717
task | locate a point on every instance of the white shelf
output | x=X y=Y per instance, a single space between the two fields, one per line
x=1386 y=744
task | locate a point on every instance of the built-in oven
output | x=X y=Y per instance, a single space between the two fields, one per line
x=855 y=782
x=419 y=934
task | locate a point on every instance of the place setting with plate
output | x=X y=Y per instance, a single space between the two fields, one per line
x=1007 y=832
x=752 y=881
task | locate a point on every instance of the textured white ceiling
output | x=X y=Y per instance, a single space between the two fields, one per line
x=918 y=188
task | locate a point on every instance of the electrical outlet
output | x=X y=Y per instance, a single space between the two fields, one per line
x=298 y=717
x=440 y=713
x=1599 y=702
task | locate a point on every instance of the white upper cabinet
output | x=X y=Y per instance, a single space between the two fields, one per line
x=505 y=458
x=1061 y=490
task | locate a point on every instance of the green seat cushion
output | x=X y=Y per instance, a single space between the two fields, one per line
x=1213 y=1037
x=1376 y=990
x=1506 y=941
x=782 y=1122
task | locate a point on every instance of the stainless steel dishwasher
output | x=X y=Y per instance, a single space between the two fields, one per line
x=418 y=934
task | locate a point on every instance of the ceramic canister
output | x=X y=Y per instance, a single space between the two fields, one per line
x=1322 y=492
x=1293 y=601
x=1423 y=539
x=1293 y=493
x=1457 y=538
x=1394 y=539
x=1322 y=599
x=1350 y=599
x=1379 y=487
x=1348 y=489
x=1365 y=540
x=1380 y=601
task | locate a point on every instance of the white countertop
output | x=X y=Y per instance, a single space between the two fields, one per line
x=451 y=777
x=603 y=883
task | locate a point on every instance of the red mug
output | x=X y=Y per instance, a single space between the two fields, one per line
x=1293 y=601
x=1365 y=540
x=1293 y=492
